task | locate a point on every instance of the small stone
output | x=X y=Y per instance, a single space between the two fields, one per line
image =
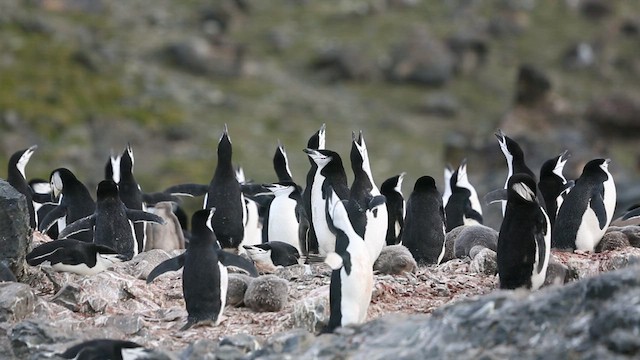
x=612 y=240
x=128 y=324
x=244 y=342
x=203 y=349
x=312 y=311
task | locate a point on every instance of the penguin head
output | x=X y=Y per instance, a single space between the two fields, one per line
x=359 y=155
x=521 y=186
x=201 y=228
x=318 y=139
x=425 y=184
x=283 y=188
x=21 y=158
x=260 y=254
x=107 y=189
x=320 y=157
x=463 y=177
x=58 y=178
x=596 y=166
x=240 y=175
x=561 y=161
x=224 y=145
x=509 y=147
x=126 y=160
x=393 y=183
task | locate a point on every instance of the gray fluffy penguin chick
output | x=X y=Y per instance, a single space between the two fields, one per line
x=474 y=235
x=236 y=288
x=395 y=260
x=267 y=293
x=168 y=236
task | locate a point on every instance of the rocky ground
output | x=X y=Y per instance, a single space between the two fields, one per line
x=62 y=308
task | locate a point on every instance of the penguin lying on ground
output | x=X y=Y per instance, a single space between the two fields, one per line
x=273 y=253
x=204 y=277
x=110 y=349
x=74 y=256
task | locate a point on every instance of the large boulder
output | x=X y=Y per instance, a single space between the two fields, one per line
x=15 y=233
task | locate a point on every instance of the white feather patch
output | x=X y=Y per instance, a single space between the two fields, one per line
x=524 y=191
x=334 y=261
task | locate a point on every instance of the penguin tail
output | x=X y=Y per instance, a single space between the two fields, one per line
x=334 y=261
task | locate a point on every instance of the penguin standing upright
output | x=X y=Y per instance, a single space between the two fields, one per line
x=16 y=177
x=75 y=203
x=316 y=142
x=111 y=221
x=515 y=160
x=329 y=173
x=424 y=225
x=131 y=194
x=204 y=277
x=446 y=193
x=587 y=210
x=285 y=215
x=392 y=191
x=463 y=206
x=553 y=185
x=524 y=240
x=363 y=189
x=352 y=275
x=224 y=193
x=251 y=213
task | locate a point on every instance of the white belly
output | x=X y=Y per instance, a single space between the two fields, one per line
x=376 y=231
x=283 y=225
x=326 y=239
x=357 y=286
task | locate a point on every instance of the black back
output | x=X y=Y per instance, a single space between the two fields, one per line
x=551 y=186
x=423 y=232
x=201 y=274
x=575 y=204
x=112 y=227
x=459 y=205
x=334 y=174
x=523 y=222
x=130 y=192
x=519 y=164
x=361 y=186
x=395 y=208
x=281 y=164
x=282 y=253
x=99 y=349
x=226 y=196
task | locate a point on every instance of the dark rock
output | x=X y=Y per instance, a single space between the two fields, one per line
x=633 y=234
x=15 y=233
x=6 y=274
x=630 y=27
x=474 y=235
x=243 y=342
x=17 y=301
x=236 y=288
x=267 y=293
x=203 y=57
x=444 y=105
x=612 y=240
x=68 y=296
x=395 y=259
x=344 y=63
x=596 y=9
x=579 y=56
x=532 y=85
x=617 y=114
x=470 y=50
x=421 y=59
x=200 y=349
x=590 y=318
x=26 y=337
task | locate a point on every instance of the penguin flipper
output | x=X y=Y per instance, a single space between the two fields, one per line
x=376 y=201
x=53 y=215
x=229 y=259
x=495 y=196
x=596 y=202
x=156 y=197
x=187 y=189
x=172 y=264
x=49 y=251
x=141 y=215
x=631 y=214
x=80 y=225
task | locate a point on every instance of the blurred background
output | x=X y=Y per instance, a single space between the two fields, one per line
x=428 y=82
